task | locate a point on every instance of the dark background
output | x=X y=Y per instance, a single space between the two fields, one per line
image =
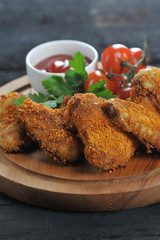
x=25 y=24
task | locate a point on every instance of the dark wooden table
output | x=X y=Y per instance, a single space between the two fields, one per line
x=25 y=24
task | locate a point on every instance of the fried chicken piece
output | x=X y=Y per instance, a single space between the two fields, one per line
x=46 y=126
x=12 y=136
x=147 y=102
x=146 y=88
x=135 y=118
x=106 y=146
x=6 y=102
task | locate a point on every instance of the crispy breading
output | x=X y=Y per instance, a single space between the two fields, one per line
x=135 y=118
x=6 y=102
x=12 y=136
x=106 y=146
x=147 y=102
x=146 y=83
x=46 y=126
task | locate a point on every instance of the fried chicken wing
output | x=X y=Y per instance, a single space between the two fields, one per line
x=12 y=136
x=6 y=103
x=147 y=102
x=106 y=146
x=135 y=118
x=46 y=126
x=146 y=88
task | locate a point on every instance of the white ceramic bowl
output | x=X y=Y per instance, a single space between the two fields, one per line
x=48 y=49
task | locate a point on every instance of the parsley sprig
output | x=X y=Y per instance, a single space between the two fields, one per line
x=73 y=82
x=100 y=90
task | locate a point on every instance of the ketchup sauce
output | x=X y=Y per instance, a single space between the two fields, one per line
x=58 y=63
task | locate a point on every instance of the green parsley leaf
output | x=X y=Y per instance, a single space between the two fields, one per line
x=100 y=90
x=57 y=86
x=96 y=87
x=105 y=93
x=78 y=64
x=50 y=104
x=74 y=80
x=19 y=101
x=60 y=99
x=36 y=97
x=48 y=100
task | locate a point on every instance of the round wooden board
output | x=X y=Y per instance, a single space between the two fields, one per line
x=34 y=178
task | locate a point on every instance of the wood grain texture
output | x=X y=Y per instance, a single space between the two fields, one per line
x=34 y=178
x=18 y=85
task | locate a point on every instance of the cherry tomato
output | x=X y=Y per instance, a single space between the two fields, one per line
x=111 y=58
x=97 y=76
x=123 y=92
x=136 y=54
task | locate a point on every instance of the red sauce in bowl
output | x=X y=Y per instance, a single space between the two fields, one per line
x=58 y=63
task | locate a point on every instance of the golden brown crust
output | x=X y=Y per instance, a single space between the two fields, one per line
x=12 y=136
x=6 y=102
x=106 y=145
x=146 y=83
x=46 y=126
x=137 y=119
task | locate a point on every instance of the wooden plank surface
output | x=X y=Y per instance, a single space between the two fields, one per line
x=80 y=187
x=19 y=85
x=91 y=191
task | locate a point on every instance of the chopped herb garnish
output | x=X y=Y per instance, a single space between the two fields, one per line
x=73 y=82
x=56 y=86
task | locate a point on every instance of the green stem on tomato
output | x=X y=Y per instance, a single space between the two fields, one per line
x=143 y=60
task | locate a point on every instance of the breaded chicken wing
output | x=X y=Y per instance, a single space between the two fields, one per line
x=46 y=126
x=12 y=136
x=147 y=102
x=146 y=88
x=106 y=146
x=135 y=118
x=6 y=102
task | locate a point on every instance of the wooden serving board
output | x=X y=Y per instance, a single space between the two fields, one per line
x=34 y=178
